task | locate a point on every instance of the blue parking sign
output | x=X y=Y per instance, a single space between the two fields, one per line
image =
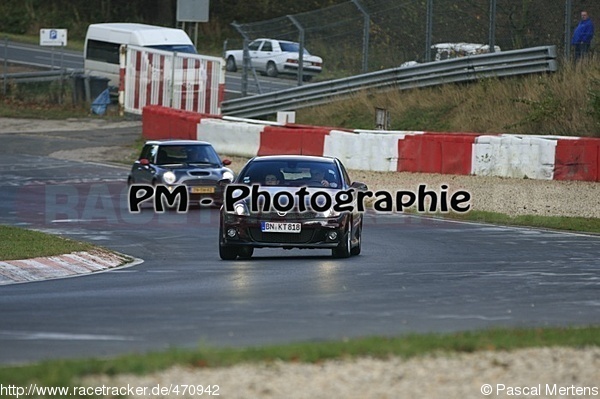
x=53 y=37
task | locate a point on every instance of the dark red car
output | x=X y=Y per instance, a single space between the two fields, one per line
x=287 y=201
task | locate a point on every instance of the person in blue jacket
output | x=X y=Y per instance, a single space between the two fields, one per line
x=582 y=36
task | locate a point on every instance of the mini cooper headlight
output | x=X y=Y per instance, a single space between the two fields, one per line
x=228 y=175
x=169 y=177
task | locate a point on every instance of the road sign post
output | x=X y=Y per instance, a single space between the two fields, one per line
x=193 y=11
x=55 y=37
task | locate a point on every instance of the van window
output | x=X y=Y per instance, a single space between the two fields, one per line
x=180 y=48
x=102 y=51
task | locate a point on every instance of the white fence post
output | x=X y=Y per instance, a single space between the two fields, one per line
x=122 y=64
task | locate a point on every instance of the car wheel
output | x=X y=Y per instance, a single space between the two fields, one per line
x=226 y=252
x=356 y=250
x=245 y=252
x=344 y=248
x=271 y=69
x=306 y=78
x=230 y=64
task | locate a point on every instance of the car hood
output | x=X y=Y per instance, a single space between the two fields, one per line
x=190 y=167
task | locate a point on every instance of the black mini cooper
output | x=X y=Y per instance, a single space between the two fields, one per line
x=192 y=163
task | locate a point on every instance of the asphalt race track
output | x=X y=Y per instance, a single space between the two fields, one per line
x=415 y=274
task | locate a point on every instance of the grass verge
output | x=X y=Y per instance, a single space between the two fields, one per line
x=32 y=110
x=67 y=372
x=574 y=224
x=18 y=243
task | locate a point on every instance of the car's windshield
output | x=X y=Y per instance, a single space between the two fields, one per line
x=292 y=47
x=291 y=173
x=187 y=154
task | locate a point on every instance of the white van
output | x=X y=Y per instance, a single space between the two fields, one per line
x=102 y=42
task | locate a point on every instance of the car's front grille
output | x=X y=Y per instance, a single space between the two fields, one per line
x=305 y=236
x=294 y=215
x=199 y=173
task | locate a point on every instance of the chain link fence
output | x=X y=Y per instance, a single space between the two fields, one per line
x=361 y=36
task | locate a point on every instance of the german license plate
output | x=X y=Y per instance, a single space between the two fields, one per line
x=203 y=190
x=275 y=227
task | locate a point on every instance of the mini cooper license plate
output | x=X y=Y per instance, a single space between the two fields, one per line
x=274 y=227
x=203 y=190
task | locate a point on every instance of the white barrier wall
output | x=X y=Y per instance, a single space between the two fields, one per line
x=365 y=150
x=514 y=156
x=233 y=138
x=343 y=145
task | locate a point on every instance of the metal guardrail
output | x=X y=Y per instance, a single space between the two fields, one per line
x=499 y=64
x=39 y=76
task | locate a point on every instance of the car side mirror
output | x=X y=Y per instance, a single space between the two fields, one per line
x=144 y=162
x=226 y=162
x=359 y=186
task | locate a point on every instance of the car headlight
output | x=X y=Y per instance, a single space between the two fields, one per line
x=241 y=209
x=228 y=175
x=169 y=177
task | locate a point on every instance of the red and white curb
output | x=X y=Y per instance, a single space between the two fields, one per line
x=61 y=266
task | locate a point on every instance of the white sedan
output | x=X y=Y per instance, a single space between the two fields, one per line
x=274 y=57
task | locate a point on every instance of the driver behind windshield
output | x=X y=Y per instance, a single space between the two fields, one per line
x=196 y=155
x=317 y=177
x=201 y=154
x=272 y=180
